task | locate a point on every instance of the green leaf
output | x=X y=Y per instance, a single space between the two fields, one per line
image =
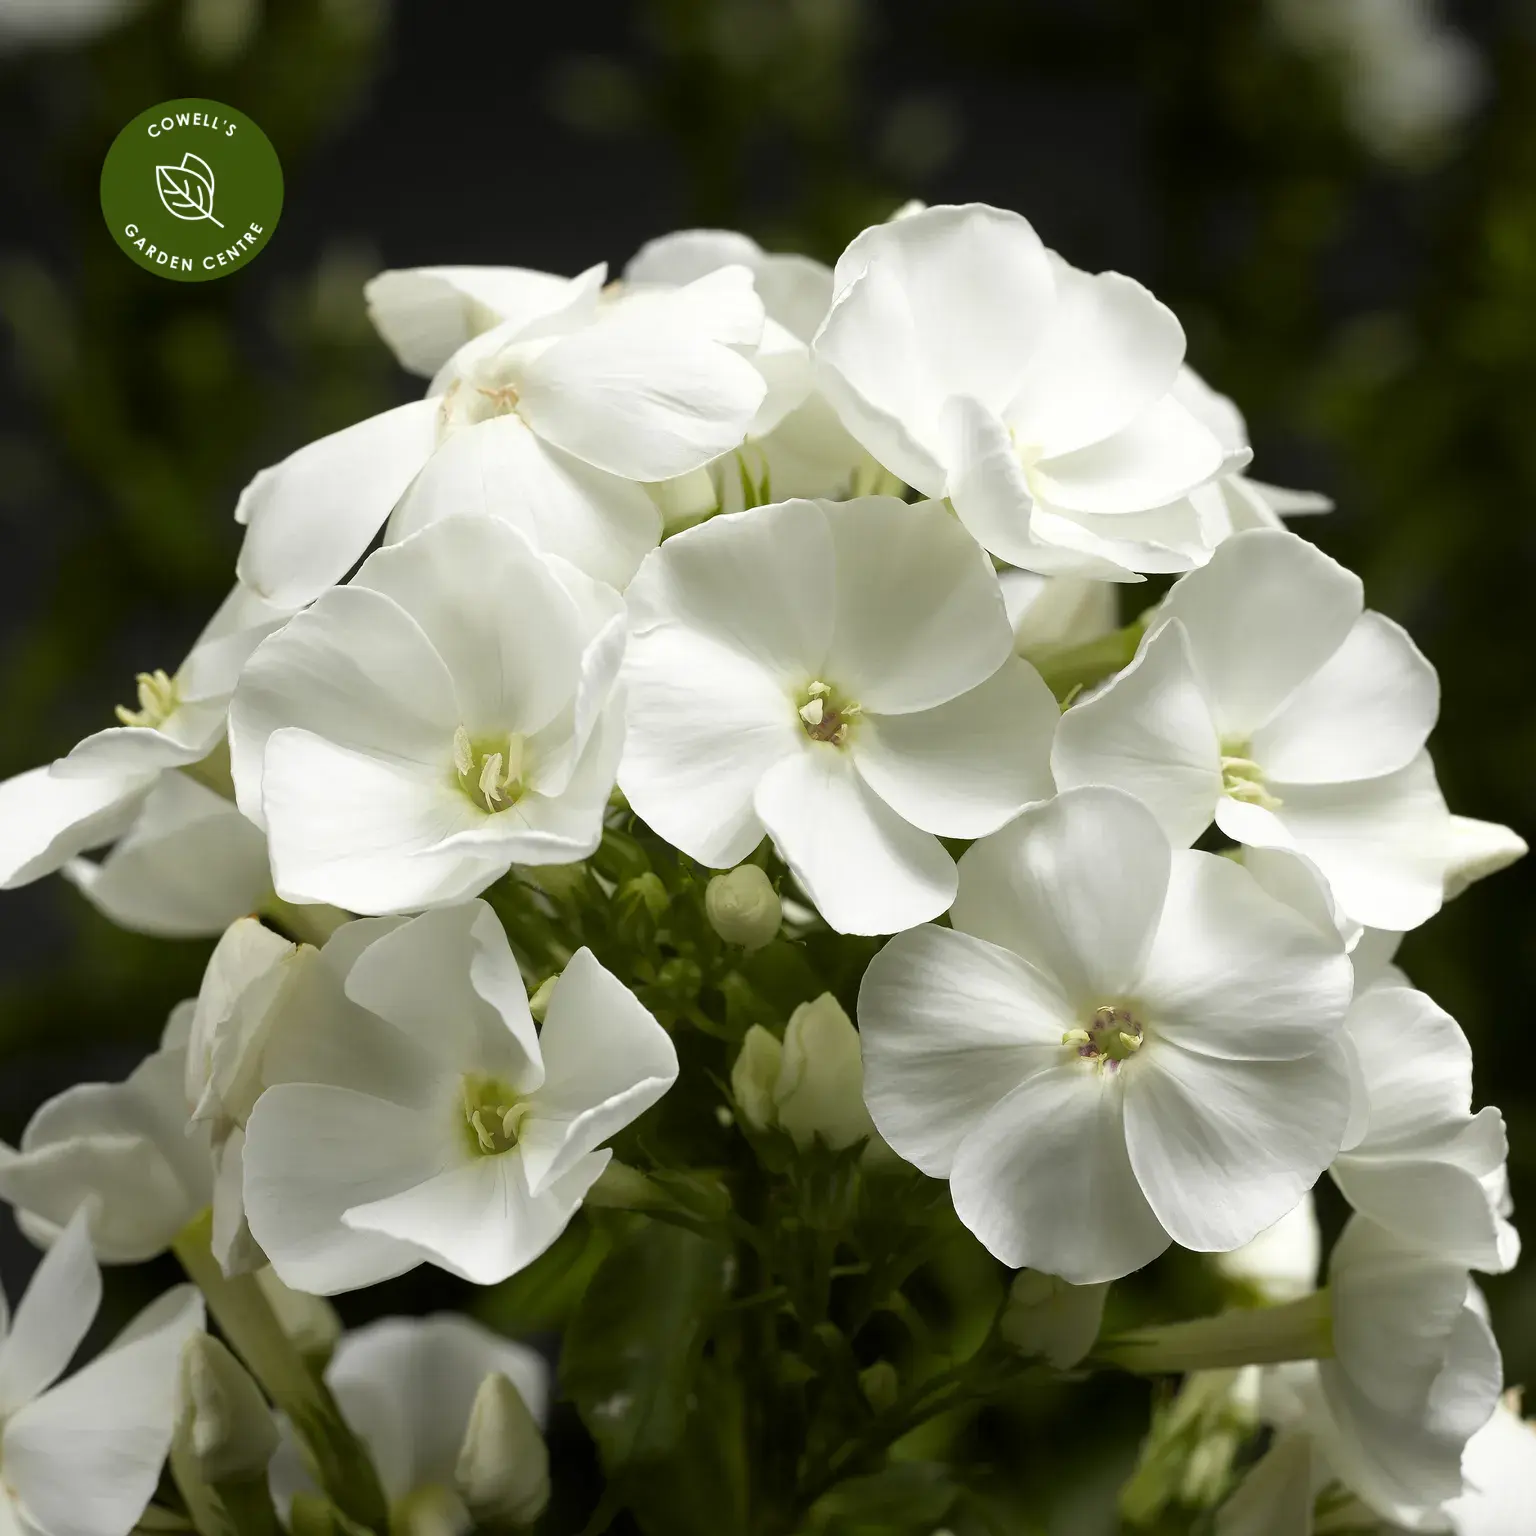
x=634 y=1346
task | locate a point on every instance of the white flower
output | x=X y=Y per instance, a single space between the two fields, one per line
x=406 y=1386
x=450 y=712
x=1265 y=697
x=547 y=422
x=187 y=867
x=82 y=1457
x=975 y=364
x=1427 y=1169
x=1280 y=1264
x=1114 y=1047
x=1500 y=1472
x=1415 y=1374
x=840 y=676
x=429 y=1123
x=796 y=446
x=122 y=1149
x=92 y=795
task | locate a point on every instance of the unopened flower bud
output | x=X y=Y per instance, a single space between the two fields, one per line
x=1049 y=1318
x=503 y=1467
x=310 y=1321
x=226 y=1424
x=743 y=907
x=647 y=891
x=754 y=1077
x=538 y=1004
x=820 y=1091
x=880 y=1384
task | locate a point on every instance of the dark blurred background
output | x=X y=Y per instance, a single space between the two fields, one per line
x=1337 y=196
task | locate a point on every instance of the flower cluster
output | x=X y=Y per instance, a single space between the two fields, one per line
x=685 y=827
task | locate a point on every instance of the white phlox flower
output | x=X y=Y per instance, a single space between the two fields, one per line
x=121 y=1150
x=429 y=1122
x=977 y=365
x=1426 y=1168
x=82 y=1456
x=551 y=420
x=839 y=676
x=406 y=1387
x=1115 y=1046
x=1415 y=1373
x=93 y=794
x=1266 y=698
x=451 y=711
x=796 y=446
x=187 y=867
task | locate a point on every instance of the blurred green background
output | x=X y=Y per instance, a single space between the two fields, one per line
x=1338 y=197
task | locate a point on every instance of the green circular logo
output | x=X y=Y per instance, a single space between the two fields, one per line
x=191 y=190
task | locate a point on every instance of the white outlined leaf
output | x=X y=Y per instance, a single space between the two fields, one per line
x=186 y=190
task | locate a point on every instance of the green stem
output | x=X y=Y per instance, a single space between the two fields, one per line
x=338 y=1460
x=1299 y=1330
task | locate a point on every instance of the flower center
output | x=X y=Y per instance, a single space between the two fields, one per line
x=490 y=772
x=824 y=714
x=479 y=395
x=159 y=699
x=1112 y=1035
x=1242 y=778
x=492 y=1115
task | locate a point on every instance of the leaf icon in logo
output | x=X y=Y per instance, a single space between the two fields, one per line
x=187 y=189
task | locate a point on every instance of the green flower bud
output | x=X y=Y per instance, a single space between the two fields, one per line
x=1051 y=1319
x=503 y=1467
x=538 y=1004
x=820 y=1088
x=227 y=1426
x=754 y=1077
x=880 y=1384
x=743 y=907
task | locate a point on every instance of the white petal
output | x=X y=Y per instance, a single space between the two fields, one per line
x=187 y=868
x=870 y=370
x=45 y=820
x=313 y=1152
x=53 y=1317
x=1265 y=613
x=213 y=666
x=978 y=291
x=1161 y=455
x=494 y=613
x=1500 y=1468
x=1110 y=352
x=1377 y=840
x=1475 y=849
x=1368 y=710
x=704 y=726
x=425 y=314
x=355 y=669
x=1224 y=1149
x=867 y=870
x=642 y=397
x=1276 y=1496
x=607 y=1061
x=1418 y=1066
x=1233 y=973
x=1075 y=886
x=84 y=1459
x=962 y=769
x=1044 y=1180
x=310 y=518
x=366 y=833
x=760 y=583
x=950 y=1025
x=1149 y=732
x=479 y=1221
x=447 y=980
x=918 y=613
x=501 y=469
